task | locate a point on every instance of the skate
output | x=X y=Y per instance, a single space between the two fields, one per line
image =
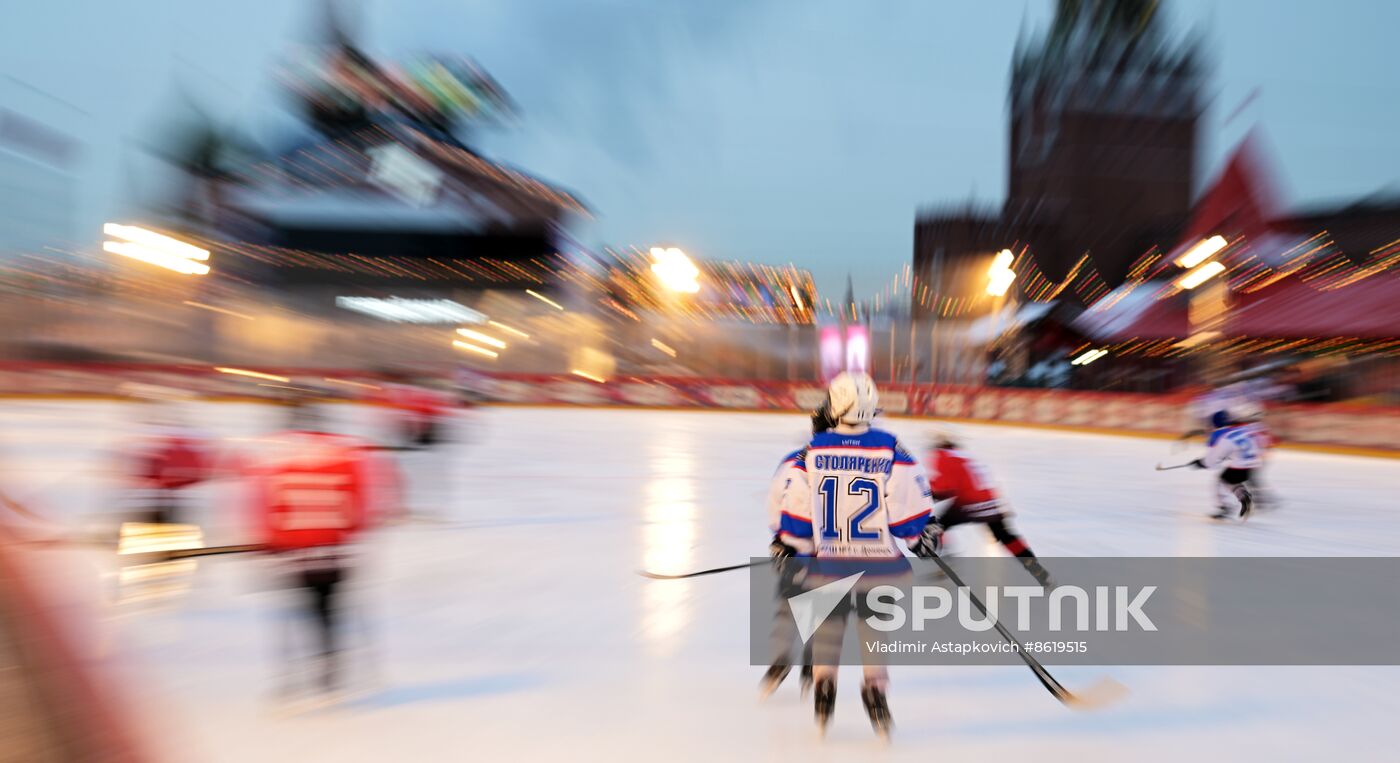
x=772 y=679
x=804 y=681
x=1041 y=575
x=1221 y=514
x=879 y=711
x=1246 y=503
x=825 y=703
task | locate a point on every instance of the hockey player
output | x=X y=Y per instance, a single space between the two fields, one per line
x=955 y=478
x=789 y=584
x=314 y=494
x=418 y=413
x=166 y=459
x=859 y=492
x=1235 y=447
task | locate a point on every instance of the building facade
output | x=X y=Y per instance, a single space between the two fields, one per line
x=1101 y=157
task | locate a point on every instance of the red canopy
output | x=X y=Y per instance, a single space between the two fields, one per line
x=1292 y=308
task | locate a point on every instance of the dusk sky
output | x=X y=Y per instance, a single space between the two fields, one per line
x=758 y=130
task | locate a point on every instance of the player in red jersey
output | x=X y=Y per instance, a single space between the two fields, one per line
x=315 y=493
x=418 y=413
x=165 y=459
x=956 y=479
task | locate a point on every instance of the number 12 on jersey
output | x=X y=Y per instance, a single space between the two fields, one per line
x=842 y=517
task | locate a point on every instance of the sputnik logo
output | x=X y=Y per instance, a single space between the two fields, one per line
x=811 y=608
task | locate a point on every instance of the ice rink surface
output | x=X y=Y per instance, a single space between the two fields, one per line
x=507 y=621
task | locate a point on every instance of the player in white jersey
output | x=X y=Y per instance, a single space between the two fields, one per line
x=1235 y=447
x=783 y=639
x=859 y=492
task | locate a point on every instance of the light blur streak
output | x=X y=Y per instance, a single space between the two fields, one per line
x=159 y=242
x=669 y=532
x=157 y=580
x=662 y=346
x=153 y=257
x=225 y=311
x=588 y=376
x=473 y=348
x=1201 y=252
x=400 y=310
x=1200 y=275
x=252 y=374
x=544 y=299
x=1088 y=357
x=485 y=339
x=509 y=330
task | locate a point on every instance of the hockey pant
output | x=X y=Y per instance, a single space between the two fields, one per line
x=826 y=642
x=991 y=515
x=1233 y=491
x=317 y=578
x=782 y=640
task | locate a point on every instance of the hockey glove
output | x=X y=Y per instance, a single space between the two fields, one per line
x=780 y=550
x=930 y=542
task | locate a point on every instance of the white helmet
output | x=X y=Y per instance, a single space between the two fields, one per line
x=851 y=398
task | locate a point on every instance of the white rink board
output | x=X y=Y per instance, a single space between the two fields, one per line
x=513 y=624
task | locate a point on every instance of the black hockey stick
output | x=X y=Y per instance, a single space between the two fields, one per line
x=185 y=553
x=143 y=557
x=1105 y=692
x=1161 y=468
x=659 y=576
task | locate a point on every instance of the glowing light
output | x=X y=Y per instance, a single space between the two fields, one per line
x=159 y=242
x=588 y=376
x=1000 y=276
x=1201 y=251
x=153 y=257
x=250 y=374
x=1088 y=357
x=400 y=310
x=675 y=270
x=796 y=297
x=1200 y=275
x=473 y=348
x=509 y=330
x=662 y=346
x=544 y=299
x=485 y=339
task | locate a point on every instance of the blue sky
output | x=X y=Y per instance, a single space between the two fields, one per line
x=807 y=131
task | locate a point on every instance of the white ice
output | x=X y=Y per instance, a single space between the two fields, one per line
x=509 y=621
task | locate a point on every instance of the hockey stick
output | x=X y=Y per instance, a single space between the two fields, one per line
x=1104 y=692
x=142 y=557
x=1161 y=468
x=658 y=576
x=185 y=553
